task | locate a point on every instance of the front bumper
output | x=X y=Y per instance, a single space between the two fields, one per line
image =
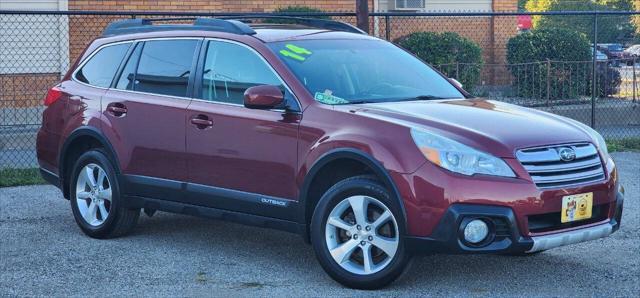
x=505 y=236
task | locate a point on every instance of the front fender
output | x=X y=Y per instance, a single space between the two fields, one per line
x=332 y=153
x=393 y=158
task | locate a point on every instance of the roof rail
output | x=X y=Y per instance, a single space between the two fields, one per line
x=207 y=24
x=311 y=22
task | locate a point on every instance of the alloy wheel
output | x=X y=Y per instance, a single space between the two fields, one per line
x=93 y=194
x=362 y=235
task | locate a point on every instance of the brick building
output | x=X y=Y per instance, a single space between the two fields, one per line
x=38 y=49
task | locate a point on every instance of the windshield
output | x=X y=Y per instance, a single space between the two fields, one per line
x=359 y=71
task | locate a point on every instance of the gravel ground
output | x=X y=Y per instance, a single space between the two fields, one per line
x=43 y=252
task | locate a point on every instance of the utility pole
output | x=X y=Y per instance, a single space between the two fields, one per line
x=362 y=15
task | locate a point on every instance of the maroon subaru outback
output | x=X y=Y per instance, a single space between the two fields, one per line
x=318 y=129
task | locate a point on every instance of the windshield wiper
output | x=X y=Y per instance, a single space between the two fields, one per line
x=355 y=102
x=419 y=97
x=427 y=97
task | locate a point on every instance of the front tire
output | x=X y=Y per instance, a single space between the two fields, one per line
x=356 y=233
x=96 y=200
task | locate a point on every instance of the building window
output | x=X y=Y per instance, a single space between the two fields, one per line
x=410 y=4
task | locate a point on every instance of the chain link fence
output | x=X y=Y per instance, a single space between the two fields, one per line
x=606 y=99
x=37 y=49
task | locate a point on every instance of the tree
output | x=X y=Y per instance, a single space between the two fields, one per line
x=611 y=29
x=538 y=6
x=296 y=9
x=521 y=5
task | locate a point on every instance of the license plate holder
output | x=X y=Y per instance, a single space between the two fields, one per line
x=576 y=207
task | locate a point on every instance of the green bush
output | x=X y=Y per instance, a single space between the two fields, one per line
x=296 y=9
x=445 y=51
x=556 y=44
x=550 y=59
x=557 y=60
x=609 y=80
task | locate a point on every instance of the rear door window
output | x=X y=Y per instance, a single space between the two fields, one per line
x=165 y=67
x=102 y=66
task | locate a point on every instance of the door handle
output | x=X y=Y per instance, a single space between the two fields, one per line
x=117 y=109
x=201 y=121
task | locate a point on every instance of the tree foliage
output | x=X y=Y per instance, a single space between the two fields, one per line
x=611 y=29
x=295 y=9
x=521 y=5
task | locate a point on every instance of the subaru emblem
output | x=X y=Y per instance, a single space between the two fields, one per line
x=566 y=154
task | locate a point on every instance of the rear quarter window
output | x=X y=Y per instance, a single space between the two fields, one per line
x=100 y=69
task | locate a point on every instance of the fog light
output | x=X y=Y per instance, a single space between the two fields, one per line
x=476 y=231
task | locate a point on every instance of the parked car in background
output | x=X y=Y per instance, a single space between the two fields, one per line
x=614 y=52
x=600 y=56
x=632 y=53
x=317 y=128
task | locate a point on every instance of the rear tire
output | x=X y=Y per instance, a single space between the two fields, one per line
x=359 y=247
x=96 y=200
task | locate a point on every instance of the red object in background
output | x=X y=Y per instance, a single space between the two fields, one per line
x=524 y=22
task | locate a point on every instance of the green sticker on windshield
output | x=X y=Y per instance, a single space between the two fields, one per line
x=298 y=50
x=292 y=55
x=329 y=99
x=295 y=52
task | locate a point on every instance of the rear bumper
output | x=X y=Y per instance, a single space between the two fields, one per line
x=505 y=236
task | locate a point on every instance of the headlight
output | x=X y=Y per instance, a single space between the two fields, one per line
x=600 y=142
x=457 y=157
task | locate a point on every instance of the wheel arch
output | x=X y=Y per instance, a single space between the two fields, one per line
x=79 y=141
x=308 y=200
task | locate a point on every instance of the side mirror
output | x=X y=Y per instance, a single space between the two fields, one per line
x=263 y=97
x=456 y=82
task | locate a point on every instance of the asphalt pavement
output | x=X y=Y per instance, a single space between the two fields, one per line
x=44 y=253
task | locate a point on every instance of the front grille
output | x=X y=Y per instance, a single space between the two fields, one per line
x=548 y=169
x=540 y=223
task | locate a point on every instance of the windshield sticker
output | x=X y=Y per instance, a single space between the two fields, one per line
x=292 y=55
x=298 y=50
x=295 y=52
x=327 y=98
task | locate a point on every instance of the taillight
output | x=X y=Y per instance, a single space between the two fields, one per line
x=52 y=96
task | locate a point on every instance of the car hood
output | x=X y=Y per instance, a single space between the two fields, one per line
x=494 y=127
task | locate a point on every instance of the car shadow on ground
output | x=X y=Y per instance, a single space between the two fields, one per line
x=279 y=251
